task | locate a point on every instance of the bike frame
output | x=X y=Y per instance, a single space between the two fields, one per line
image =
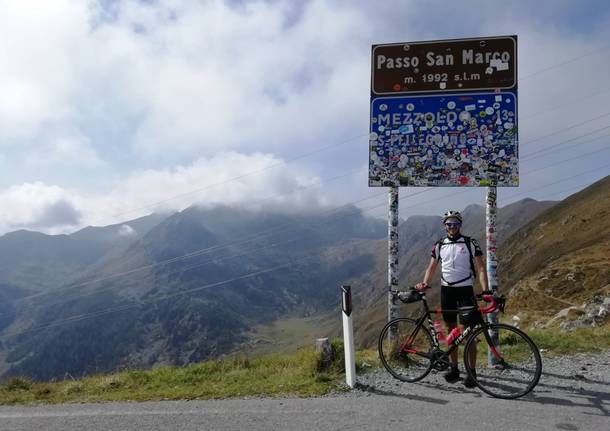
x=458 y=340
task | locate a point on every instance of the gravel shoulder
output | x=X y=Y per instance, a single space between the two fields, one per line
x=579 y=373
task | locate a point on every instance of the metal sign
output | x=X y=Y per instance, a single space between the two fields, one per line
x=444 y=66
x=449 y=140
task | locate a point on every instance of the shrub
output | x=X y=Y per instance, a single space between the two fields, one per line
x=19 y=384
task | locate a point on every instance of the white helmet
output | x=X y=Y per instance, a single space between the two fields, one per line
x=452 y=214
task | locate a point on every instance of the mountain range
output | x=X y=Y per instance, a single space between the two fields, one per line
x=176 y=292
x=182 y=287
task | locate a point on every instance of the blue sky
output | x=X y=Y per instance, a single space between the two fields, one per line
x=113 y=109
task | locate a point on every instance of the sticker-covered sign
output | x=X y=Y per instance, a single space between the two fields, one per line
x=449 y=140
x=444 y=66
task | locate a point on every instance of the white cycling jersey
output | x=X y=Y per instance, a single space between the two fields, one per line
x=456 y=265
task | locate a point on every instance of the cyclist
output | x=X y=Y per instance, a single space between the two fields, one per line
x=460 y=258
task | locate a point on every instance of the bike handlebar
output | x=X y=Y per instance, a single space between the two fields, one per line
x=497 y=302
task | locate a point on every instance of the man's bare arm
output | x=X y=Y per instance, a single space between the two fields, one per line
x=481 y=272
x=428 y=275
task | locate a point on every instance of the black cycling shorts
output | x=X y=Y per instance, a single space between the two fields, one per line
x=453 y=297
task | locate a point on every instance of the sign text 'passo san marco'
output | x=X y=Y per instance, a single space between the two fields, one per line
x=431 y=59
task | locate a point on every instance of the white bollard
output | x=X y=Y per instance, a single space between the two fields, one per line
x=348 y=336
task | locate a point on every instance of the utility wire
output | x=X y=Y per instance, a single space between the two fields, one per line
x=562 y=63
x=196 y=253
x=550 y=147
x=239 y=177
x=331 y=146
x=565 y=104
x=85 y=316
x=254 y=237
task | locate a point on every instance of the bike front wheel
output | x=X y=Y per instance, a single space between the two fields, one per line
x=405 y=349
x=514 y=366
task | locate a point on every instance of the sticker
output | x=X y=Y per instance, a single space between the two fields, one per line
x=383 y=107
x=498 y=64
x=410 y=106
x=451 y=105
x=464 y=116
x=408 y=128
x=469 y=107
x=489 y=110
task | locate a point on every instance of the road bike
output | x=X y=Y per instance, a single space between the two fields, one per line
x=409 y=348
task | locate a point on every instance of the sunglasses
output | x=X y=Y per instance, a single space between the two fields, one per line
x=453 y=224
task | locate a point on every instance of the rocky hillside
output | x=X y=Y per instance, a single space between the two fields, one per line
x=554 y=262
x=561 y=259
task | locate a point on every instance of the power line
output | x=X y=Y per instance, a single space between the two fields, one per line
x=85 y=316
x=198 y=252
x=573 y=126
x=562 y=63
x=195 y=253
x=304 y=155
x=561 y=180
x=550 y=147
x=254 y=237
x=239 y=177
x=566 y=104
x=571 y=159
x=335 y=145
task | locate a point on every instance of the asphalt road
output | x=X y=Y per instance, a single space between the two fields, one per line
x=560 y=402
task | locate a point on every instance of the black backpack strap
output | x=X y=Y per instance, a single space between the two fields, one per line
x=437 y=248
x=469 y=247
x=455 y=282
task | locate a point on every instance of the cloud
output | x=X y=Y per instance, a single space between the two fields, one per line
x=231 y=178
x=127 y=231
x=38 y=206
x=40 y=65
x=143 y=94
x=66 y=151
x=57 y=214
x=254 y=181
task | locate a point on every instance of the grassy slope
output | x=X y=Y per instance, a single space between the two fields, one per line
x=561 y=258
x=298 y=374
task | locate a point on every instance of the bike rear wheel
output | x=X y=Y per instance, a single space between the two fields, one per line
x=517 y=364
x=405 y=349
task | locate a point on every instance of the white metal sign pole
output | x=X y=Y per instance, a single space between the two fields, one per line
x=348 y=336
x=492 y=258
x=392 y=251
